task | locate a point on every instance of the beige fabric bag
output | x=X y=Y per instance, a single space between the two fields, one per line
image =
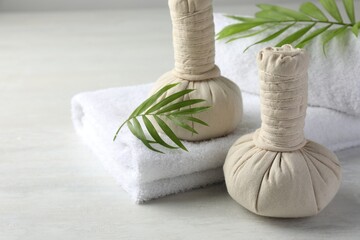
x=275 y=171
x=194 y=47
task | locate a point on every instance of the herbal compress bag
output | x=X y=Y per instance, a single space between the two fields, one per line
x=194 y=50
x=275 y=171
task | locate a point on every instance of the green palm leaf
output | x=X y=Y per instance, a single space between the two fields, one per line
x=237 y=28
x=137 y=131
x=190 y=111
x=270 y=37
x=169 y=132
x=284 y=11
x=313 y=11
x=247 y=35
x=168 y=100
x=154 y=134
x=350 y=10
x=182 y=124
x=154 y=108
x=179 y=105
x=272 y=15
x=309 y=15
x=295 y=36
x=312 y=35
x=355 y=29
x=333 y=10
x=330 y=35
x=243 y=19
x=146 y=104
x=195 y=120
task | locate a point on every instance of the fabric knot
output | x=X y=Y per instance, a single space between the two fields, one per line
x=283 y=100
x=194 y=43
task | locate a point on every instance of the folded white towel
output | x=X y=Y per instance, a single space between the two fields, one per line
x=146 y=175
x=334 y=81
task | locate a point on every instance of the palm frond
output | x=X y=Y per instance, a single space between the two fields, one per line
x=350 y=10
x=311 y=21
x=169 y=108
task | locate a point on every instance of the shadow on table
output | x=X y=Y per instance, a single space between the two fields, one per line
x=340 y=217
x=342 y=214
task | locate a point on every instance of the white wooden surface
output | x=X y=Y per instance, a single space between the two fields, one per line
x=52 y=187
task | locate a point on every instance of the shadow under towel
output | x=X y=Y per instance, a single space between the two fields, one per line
x=146 y=175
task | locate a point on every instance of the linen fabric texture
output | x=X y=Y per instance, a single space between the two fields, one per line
x=194 y=51
x=275 y=171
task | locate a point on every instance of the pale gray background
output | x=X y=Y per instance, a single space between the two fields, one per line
x=61 y=5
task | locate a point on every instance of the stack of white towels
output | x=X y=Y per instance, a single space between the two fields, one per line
x=147 y=175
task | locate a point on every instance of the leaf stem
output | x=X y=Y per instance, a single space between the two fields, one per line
x=156 y=114
x=130 y=118
x=310 y=21
x=117 y=132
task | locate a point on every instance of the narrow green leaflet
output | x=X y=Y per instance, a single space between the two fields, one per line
x=237 y=28
x=272 y=15
x=146 y=104
x=285 y=11
x=193 y=119
x=154 y=134
x=309 y=14
x=168 y=100
x=137 y=131
x=333 y=10
x=355 y=29
x=243 y=19
x=173 y=109
x=169 y=132
x=295 y=36
x=249 y=35
x=312 y=35
x=270 y=37
x=330 y=35
x=190 y=111
x=178 y=122
x=350 y=10
x=177 y=106
x=313 y=11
